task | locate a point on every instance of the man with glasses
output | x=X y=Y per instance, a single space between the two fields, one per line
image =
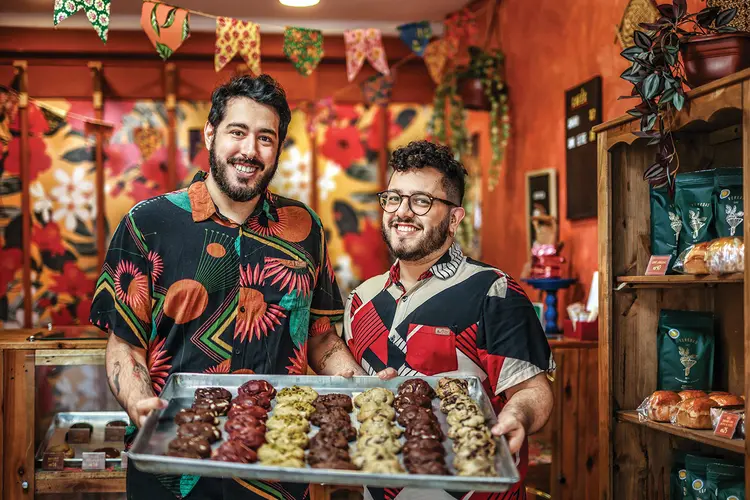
x=437 y=312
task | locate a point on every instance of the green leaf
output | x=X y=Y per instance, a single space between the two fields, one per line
x=678 y=100
x=651 y=86
x=163 y=50
x=154 y=22
x=642 y=40
x=648 y=122
x=170 y=18
x=635 y=68
x=185 y=29
x=725 y=17
x=671 y=58
x=667 y=95
x=635 y=112
x=631 y=52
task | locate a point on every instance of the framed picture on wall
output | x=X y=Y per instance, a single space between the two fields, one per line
x=541 y=198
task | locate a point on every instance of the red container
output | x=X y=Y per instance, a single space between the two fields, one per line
x=584 y=330
x=710 y=57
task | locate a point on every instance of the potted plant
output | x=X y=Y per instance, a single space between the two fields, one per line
x=659 y=77
x=479 y=86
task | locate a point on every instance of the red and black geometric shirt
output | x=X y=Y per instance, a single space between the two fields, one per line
x=462 y=317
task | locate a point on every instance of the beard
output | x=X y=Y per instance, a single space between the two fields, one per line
x=429 y=242
x=246 y=191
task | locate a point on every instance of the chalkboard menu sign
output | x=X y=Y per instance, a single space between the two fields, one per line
x=583 y=110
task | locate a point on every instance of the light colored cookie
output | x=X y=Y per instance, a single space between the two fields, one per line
x=367 y=455
x=288 y=423
x=272 y=453
x=379 y=442
x=296 y=393
x=302 y=408
x=471 y=449
x=383 y=467
x=450 y=402
x=285 y=438
x=464 y=436
x=287 y=462
x=374 y=395
x=475 y=467
x=447 y=386
x=464 y=418
x=379 y=425
x=374 y=410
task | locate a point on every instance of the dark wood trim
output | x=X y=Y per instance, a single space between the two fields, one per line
x=170 y=102
x=23 y=113
x=98 y=105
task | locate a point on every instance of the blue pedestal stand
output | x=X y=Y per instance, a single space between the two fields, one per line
x=550 y=286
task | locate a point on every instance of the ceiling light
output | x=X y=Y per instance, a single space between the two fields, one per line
x=299 y=3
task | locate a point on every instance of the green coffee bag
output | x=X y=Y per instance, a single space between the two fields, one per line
x=697 y=469
x=732 y=491
x=665 y=224
x=693 y=199
x=678 y=477
x=729 y=209
x=720 y=475
x=685 y=349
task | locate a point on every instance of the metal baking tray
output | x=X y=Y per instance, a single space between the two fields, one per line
x=98 y=419
x=149 y=449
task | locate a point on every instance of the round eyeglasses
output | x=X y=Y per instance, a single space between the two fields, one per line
x=419 y=203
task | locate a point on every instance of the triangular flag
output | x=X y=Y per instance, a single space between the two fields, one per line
x=304 y=48
x=237 y=37
x=97 y=12
x=461 y=25
x=416 y=35
x=166 y=26
x=436 y=56
x=377 y=89
x=361 y=44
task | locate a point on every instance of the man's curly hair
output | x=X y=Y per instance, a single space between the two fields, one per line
x=421 y=154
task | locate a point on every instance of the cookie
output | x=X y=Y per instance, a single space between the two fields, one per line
x=326 y=454
x=254 y=411
x=199 y=429
x=419 y=457
x=372 y=409
x=464 y=418
x=215 y=393
x=190 y=415
x=251 y=437
x=379 y=442
x=247 y=401
x=413 y=399
x=450 y=402
x=235 y=451
x=253 y=387
x=219 y=406
x=285 y=438
x=447 y=386
x=273 y=454
x=335 y=401
x=334 y=415
x=424 y=430
x=426 y=445
x=416 y=386
x=473 y=450
x=297 y=393
x=328 y=438
x=391 y=466
x=367 y=455
x=376 y=395
x=348 y=431
x=470 y=437
x=415 y=414
x=288 y=423
x=189 y=447
x=301 y=408
x=431 y=468
x=244 y=421
x=375 y=426
x=482 y=467
x=338 y=465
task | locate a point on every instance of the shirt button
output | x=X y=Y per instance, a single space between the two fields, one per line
x=237 y=351
x=242 y=309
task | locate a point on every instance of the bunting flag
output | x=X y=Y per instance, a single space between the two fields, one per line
x=167 y=27
x=361 y=44
x=237 y=37
x=436 y=56
x=304 y=48
x=462 y=25
x=377 y=89
x=416 y=36
x=97 y=12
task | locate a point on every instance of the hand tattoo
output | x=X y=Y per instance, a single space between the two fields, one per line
x=116 y=377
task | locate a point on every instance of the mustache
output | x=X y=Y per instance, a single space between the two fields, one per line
x=398 y=220
x=243 y=159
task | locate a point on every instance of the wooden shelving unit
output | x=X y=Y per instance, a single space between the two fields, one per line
x=711 y=132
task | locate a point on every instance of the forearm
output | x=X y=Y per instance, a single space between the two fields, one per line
x=531 y=404
x=328 y=355
x=127 y=373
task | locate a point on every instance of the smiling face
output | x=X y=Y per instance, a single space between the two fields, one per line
x=415 y=238
x=243 y=148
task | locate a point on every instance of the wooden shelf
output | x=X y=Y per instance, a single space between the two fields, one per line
x=705 y=437
x=678 y=280
x=72 y=481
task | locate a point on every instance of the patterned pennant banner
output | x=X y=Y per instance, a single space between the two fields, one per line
x=377 y=89
x=237 y=37
x=416 y=36
x=304 y=48
x=436 y=56
x=167 y=27
x=361 y=44
x=462 y=25
x=97 y=12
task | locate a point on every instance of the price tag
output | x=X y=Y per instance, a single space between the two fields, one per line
x=53 y=461
x=123 y=460
x=78 y=436
x=727 y=425
x=114 y=434
x=658 y=265
x=94 y=461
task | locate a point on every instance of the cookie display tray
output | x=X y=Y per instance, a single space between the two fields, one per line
x=149 y=449
x=98 y=419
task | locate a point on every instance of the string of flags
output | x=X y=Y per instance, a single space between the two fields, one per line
x=168 y=26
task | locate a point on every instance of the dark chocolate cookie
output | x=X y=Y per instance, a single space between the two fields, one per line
x=249 y=400
x=329 y=438
x=334 y=401
x=429 y=430
x=220 y=406
x=339 y=465
x=416 y=386
x=256 y=411
x=427 y=445
x=432 y=468
x=348 y=431
x=199 y=429
x=251 y=437
x=189 y=447
x=330 y=416
x=413 y=414
x=215 y=393
x=244 y=421
x=326 y=454
x=235 y=451
x=411 y=399
x=190 y=415
x=253 y=387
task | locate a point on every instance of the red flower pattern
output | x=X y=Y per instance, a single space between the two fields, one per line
x=367 y=250
x=73 y=281
x=158 y=366
x=299 y=361
x=39 y=161
x=343 y=145
x=47 y=238
x=11 y=260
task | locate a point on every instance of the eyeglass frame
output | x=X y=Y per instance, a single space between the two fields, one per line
x=433 y=199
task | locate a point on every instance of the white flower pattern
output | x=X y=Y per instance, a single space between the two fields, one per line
x=74 y=197
x=293 y=176
x=42 y=203
x=327 y=181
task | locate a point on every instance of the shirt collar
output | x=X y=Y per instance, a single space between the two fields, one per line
x=203 y=206
x=445 y=268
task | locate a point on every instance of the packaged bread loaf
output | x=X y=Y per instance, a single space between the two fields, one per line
x=694 y=413
x=693 y=260
x=659 y=407
x=725 y=255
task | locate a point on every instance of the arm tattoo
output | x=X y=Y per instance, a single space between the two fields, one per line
x=116 y=377
x=141 y=373
x=336 y=347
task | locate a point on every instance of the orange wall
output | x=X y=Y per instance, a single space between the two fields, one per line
x=551 y=46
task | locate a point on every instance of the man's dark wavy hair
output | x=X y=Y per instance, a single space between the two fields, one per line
x=262 y=89
x=421 y=154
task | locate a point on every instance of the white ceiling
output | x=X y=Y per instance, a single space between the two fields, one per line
x=332 y=16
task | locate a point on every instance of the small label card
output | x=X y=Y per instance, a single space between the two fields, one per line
x=658 y=265
x=53 y=461
x=94 y=461
x=114 y=434
x=123 y=460
x=78 y=436
x=727 y=425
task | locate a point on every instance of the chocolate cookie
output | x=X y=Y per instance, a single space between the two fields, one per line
x=255 y=411
x=326 y=454
x=329 y=438
x=426 y=445
x=431 y=468
x=189 y=447
x=190 y=415
x=429 y=430
x=253 y=387
x=251 y=437
x=109 y=452
x=415 y=414
x=244 y=421
x=220 y=406
x=199 y=429
x=335 y=401
x=215 y=393
x=234 y=451
x=348 y=431
x=337 y=464
x=449 y=402
x=247 y=401
x=333 y=415
x=448 y=386
x=411 y=399
x=420 y=457
x=416 y=386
